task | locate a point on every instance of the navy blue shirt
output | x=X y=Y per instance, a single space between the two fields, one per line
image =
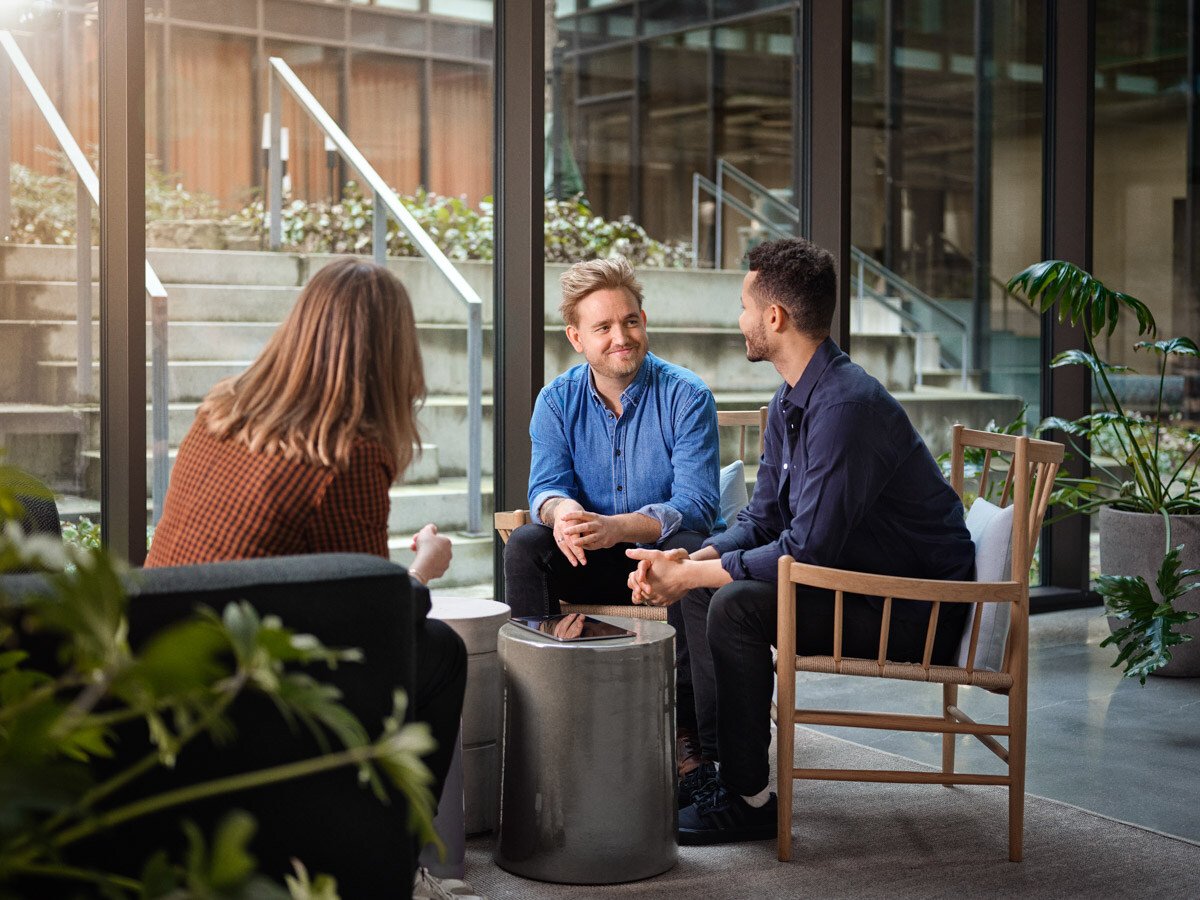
x=845 y=481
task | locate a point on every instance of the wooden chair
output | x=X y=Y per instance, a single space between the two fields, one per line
x=1029 y=480
x=507 y=522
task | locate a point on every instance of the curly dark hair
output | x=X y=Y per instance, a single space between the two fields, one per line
x=799 y=276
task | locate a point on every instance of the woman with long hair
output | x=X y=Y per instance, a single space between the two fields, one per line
x=296 y=455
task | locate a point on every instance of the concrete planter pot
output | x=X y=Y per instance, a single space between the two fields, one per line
x=1132 y=544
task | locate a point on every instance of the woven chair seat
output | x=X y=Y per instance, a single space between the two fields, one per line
x=653 y=613
x=869 y=668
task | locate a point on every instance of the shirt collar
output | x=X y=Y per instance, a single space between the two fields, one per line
x=633 y=393
x=799 y=395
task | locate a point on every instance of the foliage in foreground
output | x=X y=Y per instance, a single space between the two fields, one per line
x=57 y=719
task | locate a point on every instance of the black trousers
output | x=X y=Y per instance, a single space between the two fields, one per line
x=536 y=575
x=441 y=683
x=731 y=631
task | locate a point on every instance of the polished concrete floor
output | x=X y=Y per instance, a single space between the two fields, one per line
x=1096 y=740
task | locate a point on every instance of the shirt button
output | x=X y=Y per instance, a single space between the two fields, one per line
x=619 y=488
x=618 y=453
x=785 y=465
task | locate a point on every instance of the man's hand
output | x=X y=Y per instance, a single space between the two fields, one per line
x=567 y=543
x=590 y=530
x=660 y=577
x=704 y=553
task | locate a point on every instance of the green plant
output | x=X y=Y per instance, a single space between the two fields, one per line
x=572 y=231
x=44 y=206
x=1158 y=457
x=57 y=719
x=1146 y=641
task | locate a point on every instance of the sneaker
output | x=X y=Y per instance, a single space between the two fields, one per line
x=721 y=816
x=687 y=751
x=697 y=782
x=429 y=887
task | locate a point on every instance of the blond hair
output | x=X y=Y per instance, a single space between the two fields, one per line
x=584 y=278
x=344 y=365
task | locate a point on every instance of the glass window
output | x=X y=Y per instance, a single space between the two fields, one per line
x=393 y=32
x=243 y=15
x=307 y=19
x=385 y=116
x=946 y=206
x=470 y=41
x=49 y=303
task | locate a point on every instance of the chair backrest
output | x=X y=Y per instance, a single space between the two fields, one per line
x=1005 y=528
x=744 y=419
x=508 y=522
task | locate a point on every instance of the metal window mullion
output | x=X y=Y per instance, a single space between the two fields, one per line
x=1067 y=234
x=518 y=273
x=123 y=278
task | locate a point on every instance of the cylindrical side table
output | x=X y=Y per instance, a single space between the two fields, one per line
x=588 y=756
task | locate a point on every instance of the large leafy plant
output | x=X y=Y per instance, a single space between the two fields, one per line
x=1149 y=633
x=1140 y=462
x=57 y=719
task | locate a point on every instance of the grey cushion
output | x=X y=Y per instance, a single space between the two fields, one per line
x=991 y=532
x=733 y=490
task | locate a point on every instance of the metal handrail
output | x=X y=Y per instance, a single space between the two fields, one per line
x=1010 y=299
x=725 y=169
x=384 y=199
x=87 y=194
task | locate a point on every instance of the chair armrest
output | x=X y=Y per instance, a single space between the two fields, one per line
x=904 y=588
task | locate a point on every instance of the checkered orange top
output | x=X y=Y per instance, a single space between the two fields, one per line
x=226 y=502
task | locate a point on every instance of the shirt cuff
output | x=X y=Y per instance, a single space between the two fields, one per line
x=535 y=505
x=732 y=563
x=668 y=518
x=725 y=541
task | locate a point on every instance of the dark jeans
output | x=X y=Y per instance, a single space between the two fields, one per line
x=441 y=682
x=731 y=632
x=537 y=575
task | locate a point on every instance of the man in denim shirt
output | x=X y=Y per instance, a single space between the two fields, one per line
x=846 y=482
x=624 y=453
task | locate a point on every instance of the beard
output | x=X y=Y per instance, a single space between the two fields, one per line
x=615 y=367
x=756 y=345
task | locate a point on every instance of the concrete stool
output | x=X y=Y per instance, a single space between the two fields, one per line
x=588 y=761
x=476 y=621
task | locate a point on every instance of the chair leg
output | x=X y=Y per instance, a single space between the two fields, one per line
x=1016 y=774
x=785 y=763
x=949 y=698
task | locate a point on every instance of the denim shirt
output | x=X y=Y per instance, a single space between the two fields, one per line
x=845 y=481
x=660 y=458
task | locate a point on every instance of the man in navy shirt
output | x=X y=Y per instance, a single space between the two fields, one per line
x=624 y=454
x=845 y=481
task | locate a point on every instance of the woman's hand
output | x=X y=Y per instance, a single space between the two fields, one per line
x=433 y=554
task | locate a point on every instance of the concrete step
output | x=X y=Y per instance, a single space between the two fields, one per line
x=950 y=378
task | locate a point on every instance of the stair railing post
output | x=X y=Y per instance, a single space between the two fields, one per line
x=718 y=240
x=474 y=417
x=83 y=291
x=695 y=220
x=379 y=223
x=5 y=153
x=160 y=420
x=275 y=163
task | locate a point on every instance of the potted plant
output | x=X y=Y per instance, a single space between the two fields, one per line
x=1143 y=466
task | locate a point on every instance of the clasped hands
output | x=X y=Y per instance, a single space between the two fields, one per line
x=658 y=579
x=576 y=531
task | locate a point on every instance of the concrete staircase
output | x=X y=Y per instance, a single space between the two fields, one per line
x=223 y=306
